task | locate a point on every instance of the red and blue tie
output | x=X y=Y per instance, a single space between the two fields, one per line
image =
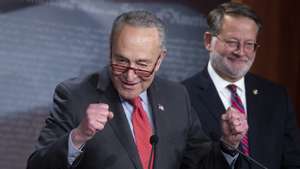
x=237 y=104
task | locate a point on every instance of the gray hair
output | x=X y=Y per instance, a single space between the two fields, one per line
x=216 y=16
x=139 y=18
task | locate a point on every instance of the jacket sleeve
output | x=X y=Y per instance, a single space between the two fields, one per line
x=52 y=148
x=291 y=140
x=201 y=152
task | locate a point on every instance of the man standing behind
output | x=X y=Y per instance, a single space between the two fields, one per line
x=106 y=120
x=273 y=136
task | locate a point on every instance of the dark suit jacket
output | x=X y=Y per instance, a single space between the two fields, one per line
x=181 y=144
x=273 y=134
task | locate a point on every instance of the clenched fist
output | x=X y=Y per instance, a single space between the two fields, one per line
x=95 y=119
x=234 y=126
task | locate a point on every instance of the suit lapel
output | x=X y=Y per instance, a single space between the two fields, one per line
x=119 y=123
x=253 y=99
x=156 y=100
x=210 y=96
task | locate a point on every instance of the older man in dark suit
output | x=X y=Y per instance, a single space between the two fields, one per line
x=273 y=136
x=107 y=120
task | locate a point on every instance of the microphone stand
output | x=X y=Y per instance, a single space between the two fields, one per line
x=248 y=158
x=153 y=141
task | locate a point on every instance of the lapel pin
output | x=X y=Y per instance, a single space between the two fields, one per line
x=161 y=107
x=255 y=91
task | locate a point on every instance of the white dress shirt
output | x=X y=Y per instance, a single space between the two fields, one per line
x=225 y=95
x=223 y=91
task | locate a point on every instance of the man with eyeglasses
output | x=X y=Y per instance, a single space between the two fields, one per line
x=226 y=85
x=109 y=120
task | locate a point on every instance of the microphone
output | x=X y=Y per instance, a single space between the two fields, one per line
x=153 y=141
x=248 y=158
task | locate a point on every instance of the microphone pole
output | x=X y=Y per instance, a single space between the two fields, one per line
x=153 y=141
x=248 y=158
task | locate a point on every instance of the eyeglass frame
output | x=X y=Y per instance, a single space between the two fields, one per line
x=135 y=70
x=238 y=44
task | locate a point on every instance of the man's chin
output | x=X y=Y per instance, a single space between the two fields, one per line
x=128 y=93
x=128 y=96
x=237 y=74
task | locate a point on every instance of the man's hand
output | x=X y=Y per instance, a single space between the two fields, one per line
x=95 y=119
x=234 y=126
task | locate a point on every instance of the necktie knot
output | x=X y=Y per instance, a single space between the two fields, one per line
x=135 y=102
x=232 y=88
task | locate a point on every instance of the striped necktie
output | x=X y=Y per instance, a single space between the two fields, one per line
x=237 y=104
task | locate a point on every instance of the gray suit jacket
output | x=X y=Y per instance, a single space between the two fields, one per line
x=182 y=144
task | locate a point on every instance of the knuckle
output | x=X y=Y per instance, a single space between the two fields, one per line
x=103 y=105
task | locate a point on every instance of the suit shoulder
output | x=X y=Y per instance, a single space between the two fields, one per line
x=77 y=83
x=192 y=80
x=269 y=87
x=169 y=85
x=263 y=82
x=196 y=82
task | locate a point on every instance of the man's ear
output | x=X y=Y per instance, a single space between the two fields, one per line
x=162 y=56
x=207 y=40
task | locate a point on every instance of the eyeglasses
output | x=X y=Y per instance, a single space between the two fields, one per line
x=118 y=69
x=235 y=45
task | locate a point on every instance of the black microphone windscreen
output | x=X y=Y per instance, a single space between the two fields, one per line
x=154 y=139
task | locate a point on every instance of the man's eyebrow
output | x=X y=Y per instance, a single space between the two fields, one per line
x=120 y=56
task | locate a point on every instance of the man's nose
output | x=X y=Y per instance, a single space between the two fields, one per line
x=130 y=74
x=240 y=50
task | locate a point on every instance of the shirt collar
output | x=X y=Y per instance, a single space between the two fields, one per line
x=143 y=97
x=220 y=83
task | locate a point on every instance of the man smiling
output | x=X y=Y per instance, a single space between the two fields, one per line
x=225 y=84
x=106 y=120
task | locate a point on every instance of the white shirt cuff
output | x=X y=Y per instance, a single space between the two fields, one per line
x=231 y=160
x=73 y=152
